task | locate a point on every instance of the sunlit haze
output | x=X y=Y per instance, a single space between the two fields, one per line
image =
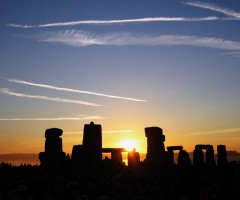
x=125 y=65
x=129 y=145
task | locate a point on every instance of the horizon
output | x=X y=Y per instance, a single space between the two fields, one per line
x=17 y=159
x=124 y=65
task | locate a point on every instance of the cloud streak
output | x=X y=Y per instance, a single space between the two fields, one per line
x=70 y=90
x=7 y=91
x=81 y=117
x=213 y=7
x=82 y=38
x=121 y=21
x=210 y=132
x=235 y=54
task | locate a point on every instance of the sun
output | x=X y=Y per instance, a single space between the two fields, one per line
x=129 y=145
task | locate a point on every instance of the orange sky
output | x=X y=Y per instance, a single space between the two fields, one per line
x=170 y=64
x=33 y=141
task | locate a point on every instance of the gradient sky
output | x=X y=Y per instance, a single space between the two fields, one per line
x=125 y=65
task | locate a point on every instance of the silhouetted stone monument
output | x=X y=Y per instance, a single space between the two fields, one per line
x=198 y=155
x=116 y=154
x=170 y=153
x=222 y=155
x=53 y=143
x=53 y=157
x=88 y=156
x=116 y=157
x=133 y=159
x=174 y=148
x=155 y=146
x=210 y=160
x=92 y=143
x=183 y=158
x=79 y=159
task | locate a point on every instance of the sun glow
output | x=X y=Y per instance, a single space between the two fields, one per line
x=129 y=145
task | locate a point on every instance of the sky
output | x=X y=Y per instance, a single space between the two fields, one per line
x=125 y=65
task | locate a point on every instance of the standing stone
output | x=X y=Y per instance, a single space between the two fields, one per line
x=170 y=157
x=155 y=146
x=222 y=155
x=210 y=160
x=53 y=145
x=133 y=159
x=198 y=156
x=79 y=159
x=53 y=157
x=79 y=154
x=92 y=142
x=183 y=158
x=116 y=157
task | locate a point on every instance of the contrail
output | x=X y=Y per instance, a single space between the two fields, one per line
x=56 y=99
x=121 y=21
x=70 y=90
x=213 y=7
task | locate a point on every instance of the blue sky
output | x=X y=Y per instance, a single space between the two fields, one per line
x=123 y=64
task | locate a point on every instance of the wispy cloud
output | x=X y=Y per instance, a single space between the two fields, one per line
x=121 y=21
x=234 y=138
x=213 y=7
x=7 y=91
x=81 y=117
x=82 y=38
x=70 y=90
x=235 y=54
x=210 y=132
